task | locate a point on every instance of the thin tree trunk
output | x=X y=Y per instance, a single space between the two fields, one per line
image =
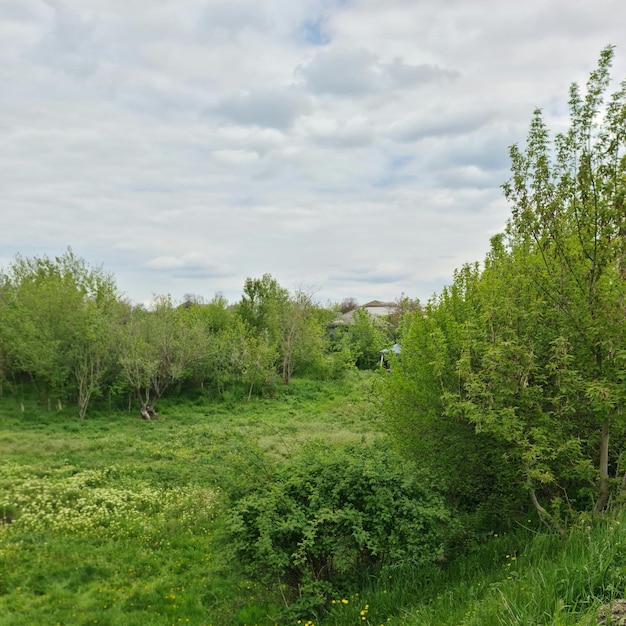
x=603 y=491
x=548 y=519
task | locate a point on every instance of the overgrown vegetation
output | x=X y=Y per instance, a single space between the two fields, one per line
x=125 y=522
x=67 y=335
x=118 y=520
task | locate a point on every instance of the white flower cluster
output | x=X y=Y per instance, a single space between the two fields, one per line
x=94 y=502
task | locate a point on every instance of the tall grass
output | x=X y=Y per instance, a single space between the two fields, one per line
x=521 y=579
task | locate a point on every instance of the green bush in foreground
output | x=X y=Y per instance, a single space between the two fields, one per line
x=319 y=524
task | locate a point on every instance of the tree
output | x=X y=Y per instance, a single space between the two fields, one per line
x=301 y=336
x=157 y=348
x=366 y=336
x=569 y=214
x=529 y=350
x=470 y=465
x=261 y=304
x=347 y=305
x=55 y=324
x=93 y=350
x=403 y=306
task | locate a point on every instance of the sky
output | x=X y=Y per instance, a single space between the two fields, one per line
x=350 y=148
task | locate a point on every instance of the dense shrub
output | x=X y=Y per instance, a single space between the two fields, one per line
x=331 y=516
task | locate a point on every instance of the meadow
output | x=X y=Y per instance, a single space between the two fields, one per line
x=114 y=520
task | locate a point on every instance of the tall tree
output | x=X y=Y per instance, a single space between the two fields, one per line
x=569 y=210
x=301 y=335
x=261 y=305
x=529 y=350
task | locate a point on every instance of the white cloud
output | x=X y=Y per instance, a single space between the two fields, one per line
x=343 y=72
x=192 y=265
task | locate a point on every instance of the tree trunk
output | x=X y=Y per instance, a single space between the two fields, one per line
x=147 y=412
x=603 y=491
x=549 y=520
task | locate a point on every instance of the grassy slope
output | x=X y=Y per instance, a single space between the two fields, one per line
x=512 y=580
x=122 y=520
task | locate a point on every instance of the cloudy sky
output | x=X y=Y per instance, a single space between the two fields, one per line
x=354 y=148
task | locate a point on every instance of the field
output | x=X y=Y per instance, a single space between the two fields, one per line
x=117 y=521
x=111 y=520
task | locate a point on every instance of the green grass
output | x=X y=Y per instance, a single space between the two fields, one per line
x=116 y=521
x=525 y=578
x=113 y=520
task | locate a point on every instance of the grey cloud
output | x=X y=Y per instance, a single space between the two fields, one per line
x=463 y=177
x=448 y=123
x=351 y=133
x=105 y=147
x=379 y=274
x=20 y=10
x=341 y=72
x=479 y=160
x=70 y=42
x=266 y=108
x=490 y=152
x=191 y=265
x=403 y=74
x=232 y=17
x=358 y=71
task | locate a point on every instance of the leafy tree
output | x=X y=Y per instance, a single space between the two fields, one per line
x=366 y=336
x=217 y=314
x=55 y=324
x=531 y=348
x=403 y=307
x=261 y=304
x=93 y=350
x=470 y=466
x=157 y=348
x=301 y=335
x=287 y=323
x=239 y=357
x=569 y=210
x=258 y=361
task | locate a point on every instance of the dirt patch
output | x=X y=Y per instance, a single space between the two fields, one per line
x=613 y=613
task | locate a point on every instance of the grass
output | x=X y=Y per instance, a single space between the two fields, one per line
x=113 y=520
x=512 y=580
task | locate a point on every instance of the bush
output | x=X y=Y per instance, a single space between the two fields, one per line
x=332 y=516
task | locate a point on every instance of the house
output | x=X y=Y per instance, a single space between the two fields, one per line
x=378 y=308
x=375 y=309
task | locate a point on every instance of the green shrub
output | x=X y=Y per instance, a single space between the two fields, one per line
x=332 y=516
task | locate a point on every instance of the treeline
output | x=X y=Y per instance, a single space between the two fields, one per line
x=512 y=386
x=67 y=335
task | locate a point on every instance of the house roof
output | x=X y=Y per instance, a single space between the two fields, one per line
x=375 y=303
